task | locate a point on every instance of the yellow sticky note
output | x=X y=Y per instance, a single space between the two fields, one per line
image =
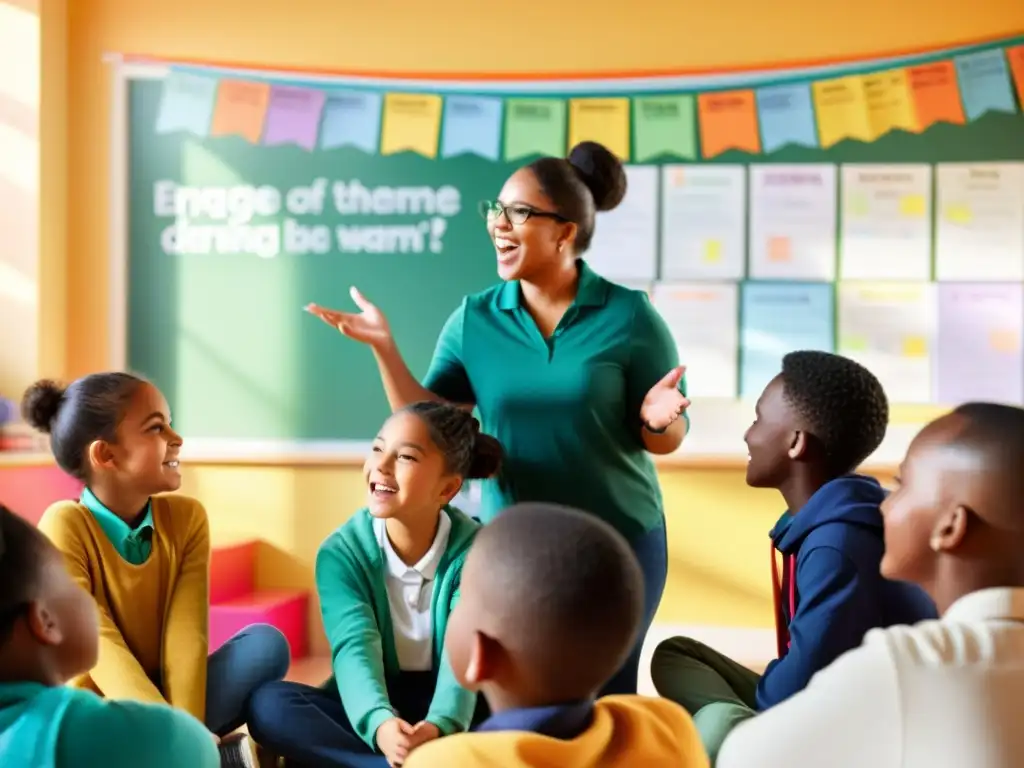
x=915 y=346
x=1006 y=341
x=857 y=205
x=605 y=121
x=411 y=123
x=959 y=214
x=713 y=251
x=854 y=343
x=912 y=205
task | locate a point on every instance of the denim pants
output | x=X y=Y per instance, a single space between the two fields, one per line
x=257 y=655
x=651 y=550
x=308 y=726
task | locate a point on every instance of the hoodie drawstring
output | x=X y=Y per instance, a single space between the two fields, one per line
x=788 y=578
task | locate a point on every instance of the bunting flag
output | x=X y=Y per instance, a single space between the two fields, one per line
x=605 y=121
x=534 y=127
x=411 y=123
x=728 y=120
x=240 y=109
x=861 y=106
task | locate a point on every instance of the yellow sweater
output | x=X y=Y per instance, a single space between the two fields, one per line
x=626 y=732
x=153 y=617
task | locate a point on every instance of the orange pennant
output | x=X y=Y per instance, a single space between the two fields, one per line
x=1015 y=56
x=935 y=93
x=728 y=120
x=240 y=109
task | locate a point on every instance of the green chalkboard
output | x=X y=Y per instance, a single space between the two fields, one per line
x=222 y=331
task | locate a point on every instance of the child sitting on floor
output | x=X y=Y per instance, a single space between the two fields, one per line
x=145 y=557
x=551 y=604
x=941 y=693
x=387 y=580
x=48 y=635
x=815 y=423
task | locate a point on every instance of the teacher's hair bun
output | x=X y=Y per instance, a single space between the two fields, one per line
x=602 y=173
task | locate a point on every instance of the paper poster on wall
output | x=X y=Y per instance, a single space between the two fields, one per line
x=703 y=222
x=980 y=355
x=777 y=318
x=793 y=222
x=889 y=328
x=703 y=318
x=980 y=222
x=625 y=245
x=885 y=222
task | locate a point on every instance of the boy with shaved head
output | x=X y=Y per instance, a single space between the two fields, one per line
x=939 y=693
x=550 y=606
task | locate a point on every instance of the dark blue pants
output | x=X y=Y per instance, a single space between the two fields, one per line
x=308 y=726
x=651 y=549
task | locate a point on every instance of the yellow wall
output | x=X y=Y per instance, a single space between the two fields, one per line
x=718 y=542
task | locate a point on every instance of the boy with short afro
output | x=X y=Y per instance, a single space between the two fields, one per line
x=814 y=424
x=940 y=693
x=551 y=603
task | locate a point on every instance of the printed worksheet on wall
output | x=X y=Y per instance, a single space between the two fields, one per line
x=703 y=222
x=704 y=321
x=980 y=222
x=889 y=328
x=777 y=318
x=793 y=222
x=979 y=353
x=885 y=222
x=625 y=245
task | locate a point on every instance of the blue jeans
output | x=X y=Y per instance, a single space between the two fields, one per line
x=257 y=655
x=651 y=550
x=308 y=726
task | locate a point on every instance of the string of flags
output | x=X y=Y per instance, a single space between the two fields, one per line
x=757 y=120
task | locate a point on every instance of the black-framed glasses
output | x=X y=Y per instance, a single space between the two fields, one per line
x=515 y=213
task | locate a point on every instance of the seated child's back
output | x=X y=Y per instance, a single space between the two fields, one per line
x=49 y=634
x=551 y=605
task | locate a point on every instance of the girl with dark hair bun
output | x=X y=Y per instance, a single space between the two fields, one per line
x=579 y=378
x=387 y=580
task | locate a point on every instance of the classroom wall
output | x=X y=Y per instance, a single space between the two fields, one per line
x=19 y=193
x=717 y=526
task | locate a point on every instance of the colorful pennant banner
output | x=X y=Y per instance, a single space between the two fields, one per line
x=813 y=113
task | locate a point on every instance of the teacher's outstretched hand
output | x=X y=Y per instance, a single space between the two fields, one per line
x=664 y=402
x=368 y=326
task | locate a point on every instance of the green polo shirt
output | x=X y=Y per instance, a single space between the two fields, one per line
x=61 y=727
x=133 y=544
x=567 y=408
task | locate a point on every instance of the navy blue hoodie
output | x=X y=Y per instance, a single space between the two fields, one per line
x=833 y=548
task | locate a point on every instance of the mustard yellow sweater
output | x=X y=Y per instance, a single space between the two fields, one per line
x=626 y=732
x=153 y=617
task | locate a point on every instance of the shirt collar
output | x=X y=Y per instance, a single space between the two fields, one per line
x=561 y=721
x=995 y=604
x=428 y=564
x=116 y=528
x=592 y=290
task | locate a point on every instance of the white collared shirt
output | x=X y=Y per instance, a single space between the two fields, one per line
x=409 y=590
x=939 y=694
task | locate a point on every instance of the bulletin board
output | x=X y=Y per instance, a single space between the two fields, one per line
x=875 y=209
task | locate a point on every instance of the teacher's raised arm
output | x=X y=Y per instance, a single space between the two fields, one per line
x=578 y=378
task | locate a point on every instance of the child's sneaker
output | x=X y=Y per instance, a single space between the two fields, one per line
x=238 y=751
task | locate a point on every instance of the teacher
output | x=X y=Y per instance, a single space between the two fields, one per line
x=578 y=377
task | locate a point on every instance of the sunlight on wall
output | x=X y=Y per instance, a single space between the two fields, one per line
x=19 y=194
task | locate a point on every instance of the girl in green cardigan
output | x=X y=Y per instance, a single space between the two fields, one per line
x=387 y=580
